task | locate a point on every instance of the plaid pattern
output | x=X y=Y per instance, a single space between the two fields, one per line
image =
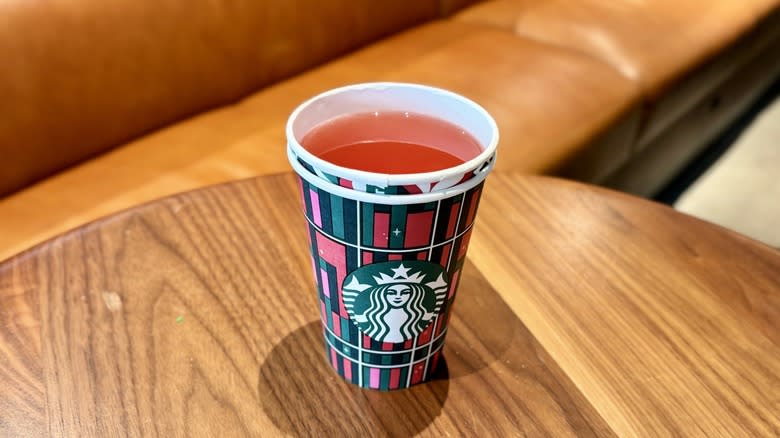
x=399 y=190
x=345 y=235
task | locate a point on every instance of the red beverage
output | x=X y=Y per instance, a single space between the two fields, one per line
x=392 y=142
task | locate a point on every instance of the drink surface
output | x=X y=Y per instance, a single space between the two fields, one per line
x=393 y=142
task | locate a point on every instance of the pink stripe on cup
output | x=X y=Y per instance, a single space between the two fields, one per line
x=333 y=359
x=373 y=380
x=336 y=323
x=347 y=369
x=315 y=207
x=325 y=282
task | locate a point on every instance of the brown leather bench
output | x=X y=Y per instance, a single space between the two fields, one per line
x=107 y=105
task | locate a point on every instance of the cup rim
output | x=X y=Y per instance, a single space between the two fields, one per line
x=384 y=179
x=374 y=198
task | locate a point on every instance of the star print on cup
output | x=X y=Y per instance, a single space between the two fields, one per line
x=395 y=301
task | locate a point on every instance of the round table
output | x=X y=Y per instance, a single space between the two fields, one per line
x=581 y=311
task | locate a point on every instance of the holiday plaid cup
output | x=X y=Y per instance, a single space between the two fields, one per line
x=387 y=269
x=386 y=249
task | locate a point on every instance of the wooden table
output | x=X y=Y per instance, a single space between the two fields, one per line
x=581 y=312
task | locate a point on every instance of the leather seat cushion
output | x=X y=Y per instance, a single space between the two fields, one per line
x=502 y=14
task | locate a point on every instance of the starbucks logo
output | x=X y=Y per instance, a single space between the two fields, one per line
x=395 y=301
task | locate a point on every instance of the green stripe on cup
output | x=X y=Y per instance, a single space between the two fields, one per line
x=328 y=313
x=336 y=215
x=366 y=376
x=331 y=178
x=368 y=224
x=384 y=379
x=345 y=330
x=397 y=226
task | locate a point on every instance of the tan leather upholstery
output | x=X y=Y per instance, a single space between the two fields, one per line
x=658 y=43
x=502 y=14
x=81 y=76
x=654 y=42
x=512 y=77
x=659 y=161
x=447 y=7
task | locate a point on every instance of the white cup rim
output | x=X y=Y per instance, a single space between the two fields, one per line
x=383 y=179
x=374 y=198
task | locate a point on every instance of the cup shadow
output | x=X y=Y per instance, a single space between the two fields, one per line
x=303 y=396
x=482 y=327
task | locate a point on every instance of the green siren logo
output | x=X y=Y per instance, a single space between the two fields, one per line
x=395 y=301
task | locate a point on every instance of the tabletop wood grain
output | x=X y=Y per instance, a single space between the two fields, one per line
x=581 y=312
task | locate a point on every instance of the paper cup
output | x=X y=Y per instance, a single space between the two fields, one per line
x=390 y=96
x=387 y=269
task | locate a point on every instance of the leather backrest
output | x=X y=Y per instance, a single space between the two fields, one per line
x=78 y=77
x=447 y=7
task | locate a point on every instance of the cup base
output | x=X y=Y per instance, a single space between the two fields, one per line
x=386 y=378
